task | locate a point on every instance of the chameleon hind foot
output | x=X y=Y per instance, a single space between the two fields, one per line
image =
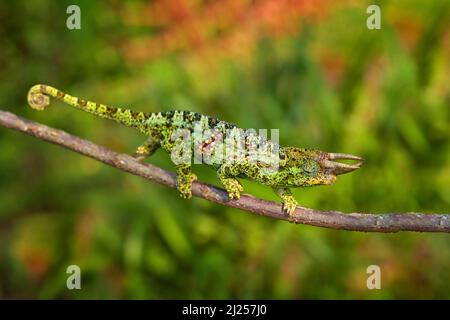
x=141 y=153
x=184 y=181
x=146 y=149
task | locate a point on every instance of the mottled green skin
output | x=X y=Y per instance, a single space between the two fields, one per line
x=297 y=167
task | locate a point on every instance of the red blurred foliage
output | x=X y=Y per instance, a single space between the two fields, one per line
x=220 y=28
x=36 y=261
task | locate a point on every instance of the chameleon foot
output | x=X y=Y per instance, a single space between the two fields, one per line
x=289 y=205
x=146 y=149
x=289 y=202
x=141 y=153
x=233 y=187
x=184 y=185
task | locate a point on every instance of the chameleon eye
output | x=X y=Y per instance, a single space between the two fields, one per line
x=310 y=168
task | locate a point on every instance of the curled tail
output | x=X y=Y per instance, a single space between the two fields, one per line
x=39 y=98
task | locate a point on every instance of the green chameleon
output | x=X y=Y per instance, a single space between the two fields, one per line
x=295 y=167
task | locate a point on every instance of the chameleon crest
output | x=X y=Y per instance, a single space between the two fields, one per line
x=294 y=167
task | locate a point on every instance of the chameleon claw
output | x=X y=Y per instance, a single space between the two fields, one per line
x=234 y=189
x=234 y=195
x=186 y=195
x=289 y=204
x=289 y=208
x=184 y=185
x=141 y=153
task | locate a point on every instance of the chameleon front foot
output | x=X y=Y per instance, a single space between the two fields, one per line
x=289 y=205
x=288 y=200
x=227 y=174
x=184 y=184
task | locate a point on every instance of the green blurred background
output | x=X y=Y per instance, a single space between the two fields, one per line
x=310 y=68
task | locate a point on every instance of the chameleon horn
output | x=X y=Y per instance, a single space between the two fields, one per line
x=343 y=156
x=338 y=168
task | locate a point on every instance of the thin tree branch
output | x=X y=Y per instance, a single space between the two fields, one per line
x=390 y=222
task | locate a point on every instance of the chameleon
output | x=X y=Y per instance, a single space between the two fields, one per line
x=295 y=166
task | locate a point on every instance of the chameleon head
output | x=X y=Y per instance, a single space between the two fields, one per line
x=307 y=167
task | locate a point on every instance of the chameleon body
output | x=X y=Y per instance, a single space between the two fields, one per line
x=295 y=167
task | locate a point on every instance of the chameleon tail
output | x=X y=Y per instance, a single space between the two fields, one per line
x=39 y=98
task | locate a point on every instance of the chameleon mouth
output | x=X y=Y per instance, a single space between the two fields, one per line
x=338 y=168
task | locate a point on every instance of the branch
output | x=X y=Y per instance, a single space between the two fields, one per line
x=391 y=222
